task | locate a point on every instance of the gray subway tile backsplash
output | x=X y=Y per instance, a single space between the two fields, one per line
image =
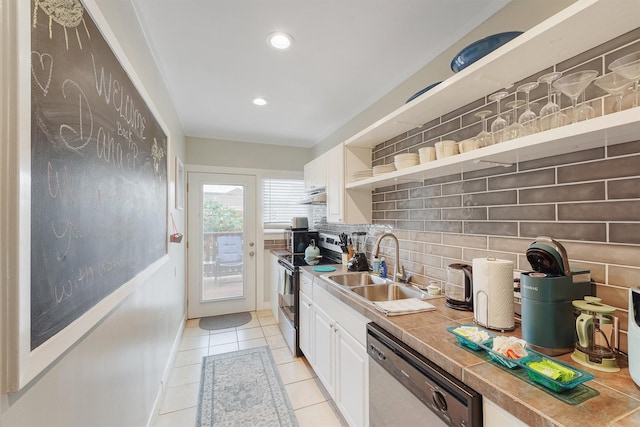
x=563 y=193
x=624 y=189
x=523 y=179
x=625 y=233
x=589 y=199
x=604 y=169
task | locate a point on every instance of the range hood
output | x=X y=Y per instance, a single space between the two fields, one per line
x=315 y=197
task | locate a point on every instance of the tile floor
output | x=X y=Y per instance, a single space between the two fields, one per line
x=312 y=405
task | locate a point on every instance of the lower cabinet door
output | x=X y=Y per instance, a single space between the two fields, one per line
x=352 y=379
x=323 y=348
x=305 y=328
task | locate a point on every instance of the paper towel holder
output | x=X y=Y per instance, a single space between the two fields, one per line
x=486 y=314
x=482 y=295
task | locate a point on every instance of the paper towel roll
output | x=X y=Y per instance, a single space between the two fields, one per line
x=493 y=293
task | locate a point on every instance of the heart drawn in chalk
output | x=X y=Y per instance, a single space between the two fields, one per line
x=41 y=69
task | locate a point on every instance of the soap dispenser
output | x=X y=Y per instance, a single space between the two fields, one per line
x=383 y=268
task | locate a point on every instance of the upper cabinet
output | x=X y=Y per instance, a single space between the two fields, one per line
x=578 y=28
x=347 y=207
x=315 y=174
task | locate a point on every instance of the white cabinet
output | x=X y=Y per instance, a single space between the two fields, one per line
x=305 y=322
x=323 y=348
x=332 y=337
x=493 y=415
x=347 y=206
x=315 y=174
x=351 y=378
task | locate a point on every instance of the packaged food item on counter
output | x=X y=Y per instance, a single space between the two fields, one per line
x=511 y=347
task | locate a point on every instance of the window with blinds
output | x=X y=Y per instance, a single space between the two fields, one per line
x=281 y=202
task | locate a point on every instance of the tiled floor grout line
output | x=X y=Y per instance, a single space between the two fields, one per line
x=261 y=338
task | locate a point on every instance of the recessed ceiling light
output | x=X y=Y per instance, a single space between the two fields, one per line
x=259 y=101
x=279 y=40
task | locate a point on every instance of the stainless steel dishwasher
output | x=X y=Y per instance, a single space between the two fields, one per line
x=407 y=389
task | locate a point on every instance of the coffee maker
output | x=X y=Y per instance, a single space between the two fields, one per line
x=458 y=289
x=547 y=292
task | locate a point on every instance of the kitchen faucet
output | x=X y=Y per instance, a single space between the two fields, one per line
x=376 y=250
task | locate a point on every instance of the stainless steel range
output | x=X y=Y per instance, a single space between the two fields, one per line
x=289 y=283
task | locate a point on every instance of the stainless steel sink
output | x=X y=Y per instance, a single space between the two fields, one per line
x=387 y=292
x=370 y=288
x=350 y=280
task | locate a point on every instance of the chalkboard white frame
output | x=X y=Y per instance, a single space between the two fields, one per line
x=23 y=364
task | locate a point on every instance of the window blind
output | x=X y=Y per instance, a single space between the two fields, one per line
x=281 y=202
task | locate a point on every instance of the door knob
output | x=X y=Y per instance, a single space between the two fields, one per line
x=252 y=253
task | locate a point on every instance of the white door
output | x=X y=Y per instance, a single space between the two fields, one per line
x=221 y=244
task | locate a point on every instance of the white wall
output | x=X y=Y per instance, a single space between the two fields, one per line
x=112 y=376
x=213 y=152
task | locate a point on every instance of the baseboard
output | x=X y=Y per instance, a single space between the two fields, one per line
x=165 y=375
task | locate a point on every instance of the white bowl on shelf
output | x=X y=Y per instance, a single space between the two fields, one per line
x=446 y=148
x=427 y=154
x=466 y=145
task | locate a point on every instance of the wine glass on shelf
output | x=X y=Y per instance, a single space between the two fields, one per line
x=515 y=129
x=629 y=67
x=573 y=85
x=584 y=111
x=550 y=117
x=499 y=124
x=484 y=138
x=563 y=119
x=528 y=118
x=615 y=85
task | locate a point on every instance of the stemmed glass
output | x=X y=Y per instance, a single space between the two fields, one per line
x=563 y=119
x=629 y=67
x=528 y=118
x=484 y=138
x=584 y=111
x=515 y=129
x=499 y=124
x=615 y=85
x=550 y=117
x=573 y=85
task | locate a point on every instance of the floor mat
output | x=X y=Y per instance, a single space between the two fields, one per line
x=243 y=388
x=225 y=321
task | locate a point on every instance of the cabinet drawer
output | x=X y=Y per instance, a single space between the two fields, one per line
x=306 y=284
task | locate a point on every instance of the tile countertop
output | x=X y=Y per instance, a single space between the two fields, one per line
x=618 y=402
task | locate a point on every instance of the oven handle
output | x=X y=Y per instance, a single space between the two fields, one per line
x=285 y=265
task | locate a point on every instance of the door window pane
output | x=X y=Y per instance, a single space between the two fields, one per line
x=223 y=241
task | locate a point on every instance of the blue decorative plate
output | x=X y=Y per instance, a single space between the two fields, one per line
x=481 y=48
x=417 y=94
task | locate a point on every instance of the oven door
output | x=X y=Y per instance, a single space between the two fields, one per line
x=287 y=303
x=287 y=291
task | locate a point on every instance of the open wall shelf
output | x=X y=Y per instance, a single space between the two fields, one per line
x=574 y=30
x=578 y=28
x=599 y=132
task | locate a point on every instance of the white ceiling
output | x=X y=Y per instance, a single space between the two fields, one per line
x=214 y=58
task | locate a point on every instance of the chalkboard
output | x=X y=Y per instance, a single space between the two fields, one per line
x=98 y=171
